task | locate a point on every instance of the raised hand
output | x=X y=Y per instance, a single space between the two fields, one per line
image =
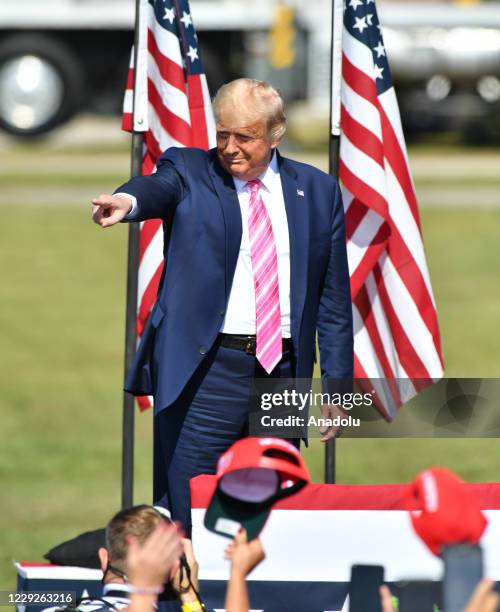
x=244 y=555
x=110 y=209
x=185 y=589
x=484 y=598
x=150 y=564
x=386 y=599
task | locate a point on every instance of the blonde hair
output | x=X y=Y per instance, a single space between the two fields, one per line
x=252 y=100
x=138 y=521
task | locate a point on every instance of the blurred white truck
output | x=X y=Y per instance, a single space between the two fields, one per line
x=59 y=57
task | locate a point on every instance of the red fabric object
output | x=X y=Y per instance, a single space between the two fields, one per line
x=349 y=497
x=271 y=453
x=447 y=511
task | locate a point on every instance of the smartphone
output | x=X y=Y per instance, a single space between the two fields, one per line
x=463 y=570
x=364 y=595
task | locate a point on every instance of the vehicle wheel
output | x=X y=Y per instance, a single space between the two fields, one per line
x=40 y=84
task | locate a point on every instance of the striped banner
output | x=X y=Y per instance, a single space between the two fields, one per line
x=312 y=539
x=395 y=319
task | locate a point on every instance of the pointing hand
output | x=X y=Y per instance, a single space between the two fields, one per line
x=108 y=209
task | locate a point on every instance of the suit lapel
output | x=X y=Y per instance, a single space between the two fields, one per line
x=298 y=229
x=228 y=200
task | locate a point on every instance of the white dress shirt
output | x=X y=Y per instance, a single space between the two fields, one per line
x=240 y=312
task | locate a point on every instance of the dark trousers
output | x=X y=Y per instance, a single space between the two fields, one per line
x=210 y=414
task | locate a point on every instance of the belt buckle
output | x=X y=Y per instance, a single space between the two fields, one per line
x=250 y=347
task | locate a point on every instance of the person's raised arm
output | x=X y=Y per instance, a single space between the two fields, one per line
x=244 y=557
x=144 y=197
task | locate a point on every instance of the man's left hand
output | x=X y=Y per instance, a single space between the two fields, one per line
x=330 y=412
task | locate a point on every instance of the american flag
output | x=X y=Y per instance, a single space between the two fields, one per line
x=171 y=105
x=395 y=320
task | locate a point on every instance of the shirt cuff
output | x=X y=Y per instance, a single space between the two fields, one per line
x=133 y=199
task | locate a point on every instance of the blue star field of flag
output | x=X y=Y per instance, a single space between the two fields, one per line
x=361 y=20
x=175 y=16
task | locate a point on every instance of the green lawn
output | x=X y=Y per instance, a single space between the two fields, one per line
x=61 y=323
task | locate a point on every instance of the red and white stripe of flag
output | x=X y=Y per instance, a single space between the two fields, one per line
x=172 y=108
x=397 y=342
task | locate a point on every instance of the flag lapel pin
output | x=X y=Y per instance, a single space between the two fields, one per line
x=300 y=193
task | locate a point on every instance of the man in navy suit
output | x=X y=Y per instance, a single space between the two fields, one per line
x=255 y=264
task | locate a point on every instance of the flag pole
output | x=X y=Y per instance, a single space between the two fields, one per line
x=127 y=491
x=333 y=157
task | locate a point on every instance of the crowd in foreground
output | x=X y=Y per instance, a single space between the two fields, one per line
x=148 y=560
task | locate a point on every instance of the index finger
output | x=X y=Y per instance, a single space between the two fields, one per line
x=386 y=599
x=187 y=547
x=333 y=432
x=103 y=199
x=241 y=537
x=325 y=410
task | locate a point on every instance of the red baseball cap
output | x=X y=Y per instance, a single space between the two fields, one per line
x=252 y=475
x=448 y=513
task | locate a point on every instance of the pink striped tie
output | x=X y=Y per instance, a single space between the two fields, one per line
x=265 y=280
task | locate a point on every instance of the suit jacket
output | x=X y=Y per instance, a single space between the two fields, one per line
x=197 y=200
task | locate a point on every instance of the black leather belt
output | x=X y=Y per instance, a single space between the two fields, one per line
x=247 y=343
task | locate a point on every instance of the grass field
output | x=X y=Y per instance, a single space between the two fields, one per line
x=62 y=321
